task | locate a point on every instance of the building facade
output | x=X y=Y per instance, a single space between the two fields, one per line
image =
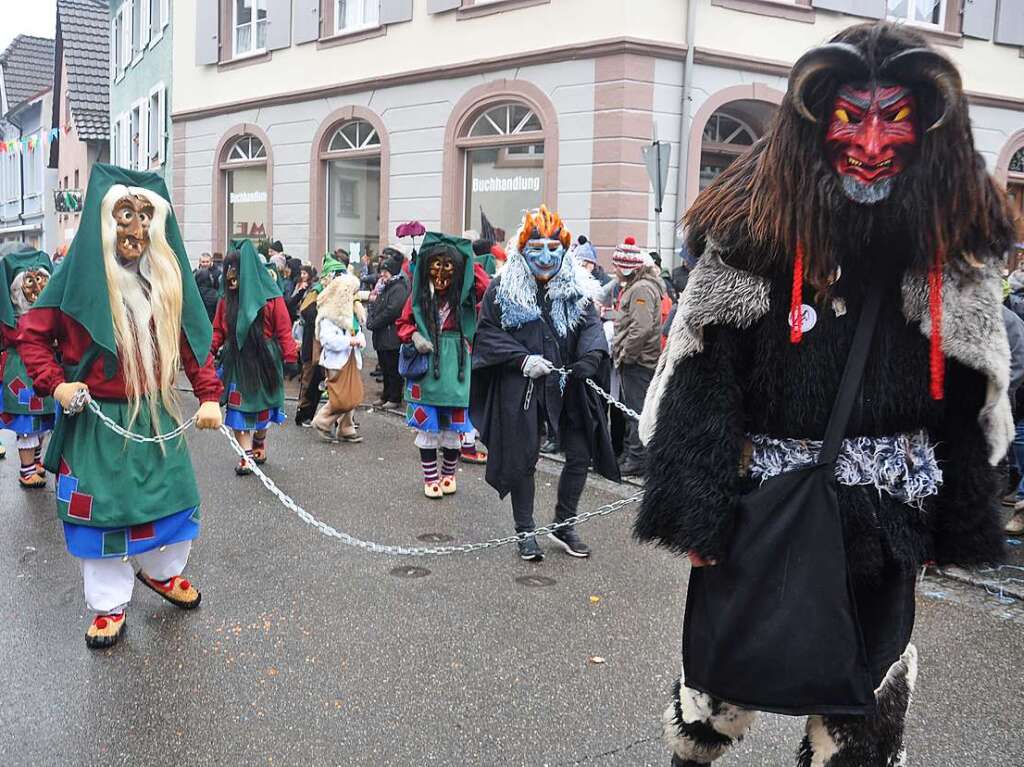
x=140 y=84
x=26 y=183
x=80 y=112
x=325 y=123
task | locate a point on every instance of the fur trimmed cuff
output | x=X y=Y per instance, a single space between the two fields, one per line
x=701 y=729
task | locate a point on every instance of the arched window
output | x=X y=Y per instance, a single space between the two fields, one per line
x=1017 y=161
x=1015 y=191
x=245 y=188
x=728 y=133
x=502 y=152
x=350 y=157
x=247 y=148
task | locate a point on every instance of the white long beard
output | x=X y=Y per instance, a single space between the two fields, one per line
x=139 y=313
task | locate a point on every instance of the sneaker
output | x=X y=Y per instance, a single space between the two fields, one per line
x=391 y=406
x=530 y=550
x=631 y=469
x=550 y=446
x=306 y=424
x=569 y=540
x=1010 y=499
x=379 y=402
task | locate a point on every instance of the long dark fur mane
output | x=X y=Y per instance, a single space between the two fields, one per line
x=254 y=363
x=431 y=303
x=783 y=191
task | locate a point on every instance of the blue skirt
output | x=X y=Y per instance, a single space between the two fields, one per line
x=434 y=419
x=100 y=542
x=240 y=420
x=29 y=425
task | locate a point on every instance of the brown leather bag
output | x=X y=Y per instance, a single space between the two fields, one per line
x=345 y=387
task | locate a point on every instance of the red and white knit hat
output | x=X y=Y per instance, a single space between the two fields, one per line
x=628 y=255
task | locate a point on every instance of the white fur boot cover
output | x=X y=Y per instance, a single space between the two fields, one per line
x=701 y=729
x=874 y=741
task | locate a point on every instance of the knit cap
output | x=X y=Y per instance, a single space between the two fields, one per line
x=628 y=255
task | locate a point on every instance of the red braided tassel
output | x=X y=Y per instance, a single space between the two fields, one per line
x=796 y=304
x=937 y=362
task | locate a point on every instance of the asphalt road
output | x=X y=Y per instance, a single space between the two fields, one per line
x=306 y=652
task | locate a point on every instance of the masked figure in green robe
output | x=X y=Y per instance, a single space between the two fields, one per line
x=124 y=314
x=252 y=330
x=29 y=416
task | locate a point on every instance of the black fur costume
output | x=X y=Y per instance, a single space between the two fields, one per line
x=730 y=370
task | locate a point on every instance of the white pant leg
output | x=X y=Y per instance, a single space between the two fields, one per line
x=28 y=441
x=166 y=562
x=451 y=440
x=108 y=584
x=428 y=440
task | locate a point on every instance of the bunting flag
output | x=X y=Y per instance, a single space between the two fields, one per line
x=29 y=143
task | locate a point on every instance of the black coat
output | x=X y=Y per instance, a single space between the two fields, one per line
x=207 y=280
x=508 y=425
x=383 y=314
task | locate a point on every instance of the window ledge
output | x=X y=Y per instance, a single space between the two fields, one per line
x=245 y=60
x=472 y=11
x=936 y=35
x=351 y=36
x=783 y=9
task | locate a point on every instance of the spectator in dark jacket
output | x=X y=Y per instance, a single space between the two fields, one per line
x=208 y=282
x=384 y=308
x=305 y=279
x=587 y=256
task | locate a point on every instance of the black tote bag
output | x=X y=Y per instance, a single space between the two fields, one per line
x=773 y=626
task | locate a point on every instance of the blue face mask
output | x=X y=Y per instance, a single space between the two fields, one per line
x=544 y=257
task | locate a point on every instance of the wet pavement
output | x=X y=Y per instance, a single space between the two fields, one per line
x=305 y=651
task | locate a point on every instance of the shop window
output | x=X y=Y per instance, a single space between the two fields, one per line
x=249 y=27
x=245 y=187
x=503 y=152
x=355 y=15
x=927 y=12
x=352 y=164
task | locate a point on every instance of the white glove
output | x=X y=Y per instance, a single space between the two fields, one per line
x=535 y=366
x=422 y=343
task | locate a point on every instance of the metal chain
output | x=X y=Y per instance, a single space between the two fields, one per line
x=349 y=540
x=605 y=395
x=132 y=436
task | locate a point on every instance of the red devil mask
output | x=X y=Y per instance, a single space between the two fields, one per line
x=872 y=137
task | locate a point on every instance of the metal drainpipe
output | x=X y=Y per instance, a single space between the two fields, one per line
x=684 y=130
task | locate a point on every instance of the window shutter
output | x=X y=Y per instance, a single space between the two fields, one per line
x=979 y=18
x=165 y=13
x=113 y=49
x=126 y=36
x=207 y=32
x=279 y=24
x=440 y=6
x=1010 y=23
x=872 y=9
x=306 y=20
x=125 y=134
x=162 y=126
x=144 y=25
x=156 y=19
x=144 y=133
x=395 y=11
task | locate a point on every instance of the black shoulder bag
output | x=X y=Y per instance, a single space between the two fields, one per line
x=774 y=626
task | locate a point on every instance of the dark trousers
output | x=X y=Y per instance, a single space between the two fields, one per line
x=393 y=384
x=570 y=484
x=309 y=391
x=634 y=381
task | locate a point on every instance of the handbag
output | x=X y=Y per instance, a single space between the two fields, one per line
x=345 y=387
x=774 y=626
x=412 y=365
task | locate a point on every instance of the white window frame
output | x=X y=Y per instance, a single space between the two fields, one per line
x=143 y=107
x=359 y=27
x=33 y=168
x=165 y=14
x=157 y=26
x=253 y=32
x=117 y=57
x=155 y=155
x=115 y=127
x=134 y=147
x=912 y=7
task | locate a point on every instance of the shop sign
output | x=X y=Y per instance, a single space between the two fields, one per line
x=513 y=184
x=240 y=198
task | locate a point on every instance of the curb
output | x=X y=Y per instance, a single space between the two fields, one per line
x=987 y=581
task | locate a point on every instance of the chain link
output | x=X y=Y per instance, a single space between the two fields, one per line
x=350 y=540
x=603 y=394
x=132 y=436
